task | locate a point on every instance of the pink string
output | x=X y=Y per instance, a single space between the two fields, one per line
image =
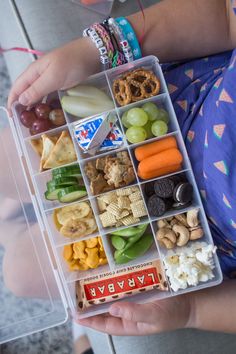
x=20 y=49
x=141 y=38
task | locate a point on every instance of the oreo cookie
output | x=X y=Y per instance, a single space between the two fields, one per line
x=164 y=187
x=183 y=193
x=178 y=206
x=149 y=189
x=157 y=206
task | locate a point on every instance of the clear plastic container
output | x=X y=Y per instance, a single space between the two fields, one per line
x=101 y=6
x=51 y=237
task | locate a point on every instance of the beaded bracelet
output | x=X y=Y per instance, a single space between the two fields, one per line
x=97 y=40
x=130 y=35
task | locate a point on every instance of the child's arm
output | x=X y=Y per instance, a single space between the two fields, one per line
x=174 y=30
x=212 y=309
x=183 y=29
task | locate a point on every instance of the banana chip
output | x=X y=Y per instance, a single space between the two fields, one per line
x=76 y=211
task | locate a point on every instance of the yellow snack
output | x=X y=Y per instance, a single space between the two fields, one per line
x=92 y=242
x=78 y=249
x=55 y=220
x=84 y=255
x=92 y=260
x=102 y=261
x=68 y=253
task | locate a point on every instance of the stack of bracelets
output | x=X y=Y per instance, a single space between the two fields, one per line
x=116 y=41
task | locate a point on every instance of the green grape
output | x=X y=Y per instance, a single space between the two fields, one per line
x=148 y=128
x=163 y=115
x=124 y=120
x=159 y=128
x=136 y=134
x=137 y=117
x=151 y=109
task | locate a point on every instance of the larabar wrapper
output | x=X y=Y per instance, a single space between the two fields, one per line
x=118 y=284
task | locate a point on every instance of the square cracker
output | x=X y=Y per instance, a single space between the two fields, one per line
x=138 y=209
x=107 y=219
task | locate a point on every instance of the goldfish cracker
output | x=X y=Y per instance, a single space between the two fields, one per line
x=160 y=172
x=100 y=244
x=147 y=150
x=84 y=255
x=92 y=260
x=164 y=160
x=68 y=253
x=78 y=249
x=92 y=242
x=102 y=261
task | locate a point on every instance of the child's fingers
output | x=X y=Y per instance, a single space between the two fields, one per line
x=25 y=80
x=42 y=86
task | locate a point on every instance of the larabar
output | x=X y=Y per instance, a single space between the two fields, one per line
x=115 y=285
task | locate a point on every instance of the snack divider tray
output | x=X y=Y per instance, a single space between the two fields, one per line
x=104 y=81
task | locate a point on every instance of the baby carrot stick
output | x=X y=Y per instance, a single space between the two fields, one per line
x=147 y=150
x=164 y=159
x=160 y=172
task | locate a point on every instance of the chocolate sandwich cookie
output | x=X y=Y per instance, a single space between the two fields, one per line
x=149 y=189
x=178 y=206
x=158 y=206
x=164 y=187
x=183 y=193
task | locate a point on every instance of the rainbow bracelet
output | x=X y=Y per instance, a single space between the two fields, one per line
x=130 y=35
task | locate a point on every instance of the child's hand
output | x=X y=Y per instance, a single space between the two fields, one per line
x=60 y=69
x=133 y=319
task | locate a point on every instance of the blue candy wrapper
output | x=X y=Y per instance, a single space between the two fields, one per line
x=98 y=134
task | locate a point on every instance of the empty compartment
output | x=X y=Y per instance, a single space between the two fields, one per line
x=74 y=222
x=40 y=118
x=148 y=119
x=87 y=99
x=109 y=172
x=131 y=246
x=97 y=135
x=161 y=157
x=50 y=150
x=60 y=186
x=149 y=81
x=121 y=208
x=83 y=258
x=169 y=195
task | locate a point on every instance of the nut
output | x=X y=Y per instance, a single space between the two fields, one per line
x=173 y=222
x=162 y=223
x=196 y=234
x=165 y=242
x=166 y=237
x=182 y=234
x=192 y=218
x=182 y=219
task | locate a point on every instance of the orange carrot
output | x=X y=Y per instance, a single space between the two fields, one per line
x=144 y=151
x=164 y=159
x=160 y=172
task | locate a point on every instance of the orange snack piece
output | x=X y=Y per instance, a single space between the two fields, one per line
x=166 y=161
x=147 y=150
x=160 y=172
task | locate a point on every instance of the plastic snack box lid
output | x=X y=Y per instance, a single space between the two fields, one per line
x=31 y=297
